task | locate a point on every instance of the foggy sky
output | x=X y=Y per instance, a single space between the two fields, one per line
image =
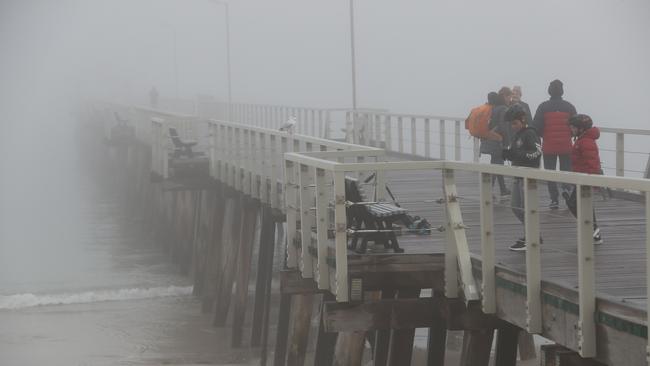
x=438 y=57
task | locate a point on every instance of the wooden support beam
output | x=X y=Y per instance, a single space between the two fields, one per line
x=382 y=337
x=376 y=315
x=506 y=350
x=291 y=282
x=437 y=337
x=349 y=348
x=228 y=261
x=249 y=228
x=282 y=334
x=264 y=272
x=526 y=345
x=268 y=270
x=214 y=250
x=299 y=335
x=477 y=345
x=401 y=340
x=326 y=342
x=556 y=355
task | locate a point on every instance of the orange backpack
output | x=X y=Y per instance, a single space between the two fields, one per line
x=478 y=123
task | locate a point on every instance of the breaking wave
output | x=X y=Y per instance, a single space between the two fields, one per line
x=20 y=301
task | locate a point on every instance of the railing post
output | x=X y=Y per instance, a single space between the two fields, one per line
x=457 y=154
x=487 y=245
x=533 y=258
x=322 y=225
x=620 y=154
x=377 y=127
x=290 y=204
x=255 y=169
x=341 y=238
x=476 y=148
x=388 y=133
x=275 y=155
x=400 y=134
x=265 y=162
x=414 y=145
x=443 y=148
x=457 y=238
x=321 y=132
x=328 y=125
x=586 y=273
x=427 y=138
x=306 y=198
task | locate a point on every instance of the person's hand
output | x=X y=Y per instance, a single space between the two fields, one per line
x=506 y=154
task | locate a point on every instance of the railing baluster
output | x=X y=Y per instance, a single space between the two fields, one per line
x=306 y=198
x=457 y=155
x=322 y=225
x=414 y=146
x=458 y=239
x=290 y=204
x=341 y=238
x=443 y=140
x=533 y=258
x=388 y=133
x=400 y=135
x=487 y=245
x=620 y=154
x=586 y=273
x=427 y=138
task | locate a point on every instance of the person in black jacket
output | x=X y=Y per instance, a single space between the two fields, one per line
x=525 y=150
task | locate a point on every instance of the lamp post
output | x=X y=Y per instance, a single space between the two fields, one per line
x=227 y=18
x=353 y=61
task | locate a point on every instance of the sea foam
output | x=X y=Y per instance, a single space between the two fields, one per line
x=19 y=301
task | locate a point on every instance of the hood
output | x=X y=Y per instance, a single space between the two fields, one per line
x=592 y=133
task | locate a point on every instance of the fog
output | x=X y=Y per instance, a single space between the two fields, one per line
x=412 y=57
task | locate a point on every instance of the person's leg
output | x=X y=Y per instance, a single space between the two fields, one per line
x=517 y=204
x=565 y=166
x=498 y=160
x=517 y=200
x=550 y=163
x=572 y=201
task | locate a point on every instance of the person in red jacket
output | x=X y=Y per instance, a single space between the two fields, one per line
x=550 y=121
x=585 y=158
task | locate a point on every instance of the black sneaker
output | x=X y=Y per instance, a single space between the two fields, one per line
x=598 y=239
x=505 y=192
x=523 y=240
x=554 y=205
x=518 y=246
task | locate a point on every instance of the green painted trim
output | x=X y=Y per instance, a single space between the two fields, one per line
x=608 y=320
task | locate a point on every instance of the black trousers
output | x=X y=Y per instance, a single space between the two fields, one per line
x=550 y=163
x=572 y=204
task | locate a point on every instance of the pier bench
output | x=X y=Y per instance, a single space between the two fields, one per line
x=181 y=148
x=370 y=221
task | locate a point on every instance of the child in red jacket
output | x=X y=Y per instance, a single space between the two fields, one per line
x=584 y=159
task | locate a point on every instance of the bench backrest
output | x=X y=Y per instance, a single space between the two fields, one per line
x=352 y=191
x=175 y=138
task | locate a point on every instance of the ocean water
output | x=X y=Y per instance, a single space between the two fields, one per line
x=81 y=280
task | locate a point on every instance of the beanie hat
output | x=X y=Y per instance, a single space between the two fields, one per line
x=556 y=88
x=493 y=98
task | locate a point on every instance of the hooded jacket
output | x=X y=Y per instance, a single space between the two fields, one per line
x=551 y=121
x=585 y=157
x=525 y=149
x=500 y=126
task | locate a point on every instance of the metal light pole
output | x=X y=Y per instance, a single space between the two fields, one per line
x=353 y=61
x=175 y=63
x=227 y=18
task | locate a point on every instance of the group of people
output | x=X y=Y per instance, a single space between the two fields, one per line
x=556 y=134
